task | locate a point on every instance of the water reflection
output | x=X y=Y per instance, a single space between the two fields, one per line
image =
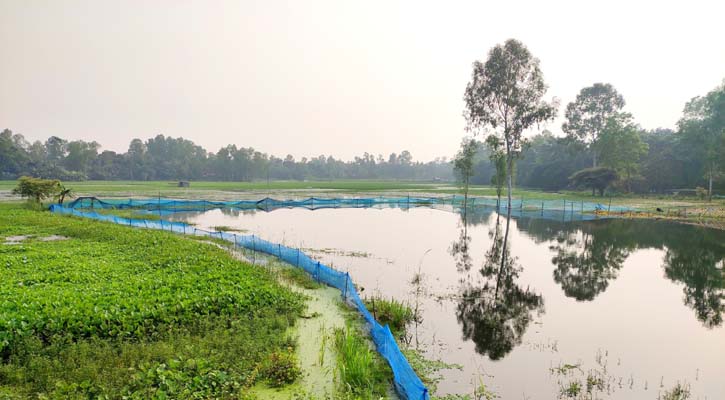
x=588 y=256
x=585 y=263
x=495 y=312
x=701 y=270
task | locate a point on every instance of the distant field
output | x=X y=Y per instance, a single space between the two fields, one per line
x=299 y=189
x=154 y=187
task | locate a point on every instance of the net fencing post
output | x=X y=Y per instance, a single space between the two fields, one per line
x=254 y=251
x=279 y=250
x=347 y=282
x=317 y=273
x=298 y=257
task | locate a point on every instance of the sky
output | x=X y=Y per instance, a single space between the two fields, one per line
x=331 y=77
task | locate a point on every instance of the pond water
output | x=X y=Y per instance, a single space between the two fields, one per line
x=631 y=306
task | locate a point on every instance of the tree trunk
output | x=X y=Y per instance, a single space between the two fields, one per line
x=465 y=201
x=594 y=159
x=509 y=162
x=709 y=189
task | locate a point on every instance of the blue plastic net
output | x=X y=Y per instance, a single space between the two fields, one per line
x=549 y=209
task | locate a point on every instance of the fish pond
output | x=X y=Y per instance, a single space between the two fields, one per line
x=557 y=307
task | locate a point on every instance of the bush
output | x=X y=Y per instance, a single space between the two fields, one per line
x=282 y=368
x=37 y=189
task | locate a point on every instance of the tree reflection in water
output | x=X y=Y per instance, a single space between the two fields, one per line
x=495 y=313
x=702 y=273
x=585 y=263
x=588 y=256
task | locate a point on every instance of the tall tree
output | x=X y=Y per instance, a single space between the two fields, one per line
x=702 y=129
x=587 y=116
x=622 y=147
x=506 y=95
x=463 y=166
x=137 y=160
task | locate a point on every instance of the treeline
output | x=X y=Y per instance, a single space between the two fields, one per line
x=601 y=145
x=599 y=135
x=167 y=158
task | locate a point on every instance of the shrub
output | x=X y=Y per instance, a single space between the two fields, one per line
x=282 y=368
x=36 y=188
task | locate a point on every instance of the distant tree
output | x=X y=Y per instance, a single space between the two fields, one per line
x=702 y=129
x=13 y=158
x=587 y=116
x=405 y=158
x=463 y=165
x=137 y=160
x=36 y=188
x=80 y=155
x=665 y=166
x=622 y=147
x=598 y=178
x=497 y=156
x=56 y=149
x=505 y=94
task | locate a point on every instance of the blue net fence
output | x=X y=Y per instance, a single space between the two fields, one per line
x=407 y=383
x=550 y=209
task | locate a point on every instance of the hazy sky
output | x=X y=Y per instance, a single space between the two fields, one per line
x=330 y=77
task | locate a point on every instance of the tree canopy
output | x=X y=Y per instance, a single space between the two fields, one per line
x=588 y=115
x=598 y=178
x=702 y=133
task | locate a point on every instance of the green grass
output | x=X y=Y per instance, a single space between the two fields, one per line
x=396 y=314
x=231 y=190
x=298 y=277
x=115 y=311
x=362 y=373
x=153 y=188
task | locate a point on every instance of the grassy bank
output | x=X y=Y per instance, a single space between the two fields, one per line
x=167 y=188
x=682 y=209
x=94 y=310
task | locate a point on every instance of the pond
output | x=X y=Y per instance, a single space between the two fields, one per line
x=629 y=307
